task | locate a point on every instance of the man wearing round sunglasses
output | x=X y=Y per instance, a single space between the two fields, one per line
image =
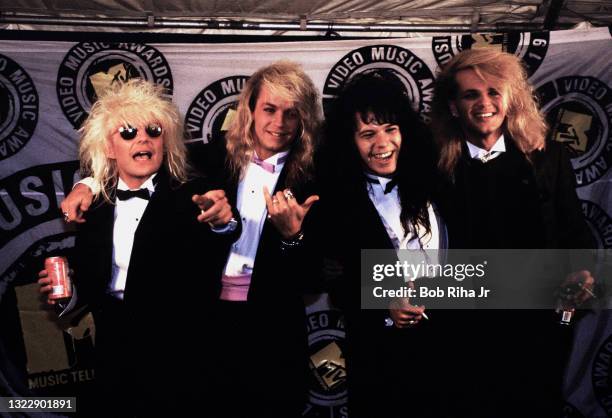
x=143 y=263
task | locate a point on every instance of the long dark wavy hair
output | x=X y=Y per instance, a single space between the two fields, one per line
x=380 y=94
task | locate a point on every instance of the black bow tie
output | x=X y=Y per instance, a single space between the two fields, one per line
x=390 y=185
x=128 y=194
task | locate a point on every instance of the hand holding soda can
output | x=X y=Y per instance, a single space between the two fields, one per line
x=55 y=279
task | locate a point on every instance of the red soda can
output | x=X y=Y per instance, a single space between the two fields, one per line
x=57 y=270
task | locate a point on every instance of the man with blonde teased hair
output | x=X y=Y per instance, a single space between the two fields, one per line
x=504 y=187
x=143 y=263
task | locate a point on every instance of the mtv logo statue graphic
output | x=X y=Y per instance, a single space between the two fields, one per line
x=329 y=366
x=571 y=129
x=103 y=80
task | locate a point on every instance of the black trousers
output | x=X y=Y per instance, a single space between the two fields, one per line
x=256 y=371
x=140 y=367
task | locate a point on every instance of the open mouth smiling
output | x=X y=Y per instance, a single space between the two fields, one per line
x=142 y=155
x=278 y=134
x=382 y=156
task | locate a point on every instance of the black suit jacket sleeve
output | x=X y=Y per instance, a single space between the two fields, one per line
x=561 y=209
x=210 y=160
x=202 y=250
x=577 y=233
x=92 y=259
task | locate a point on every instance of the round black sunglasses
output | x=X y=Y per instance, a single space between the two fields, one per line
x=153 y=131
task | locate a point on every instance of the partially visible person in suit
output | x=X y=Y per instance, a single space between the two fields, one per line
x=143 y=262
x=505 y=187
x=379 y=170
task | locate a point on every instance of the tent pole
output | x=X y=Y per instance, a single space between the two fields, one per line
x=156 y=22
x=552 y=14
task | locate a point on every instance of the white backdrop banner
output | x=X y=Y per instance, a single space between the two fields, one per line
x=47 y=88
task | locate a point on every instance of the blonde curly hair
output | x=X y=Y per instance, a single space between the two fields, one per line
x=525 y=123
x=133 y=102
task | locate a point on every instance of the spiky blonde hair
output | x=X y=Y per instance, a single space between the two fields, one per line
x=135 y=102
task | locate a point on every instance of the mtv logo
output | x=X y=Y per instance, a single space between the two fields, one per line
x=229 y=117
x=103 y=80
x=329 y=366
x=488 y=40
x=571 y=127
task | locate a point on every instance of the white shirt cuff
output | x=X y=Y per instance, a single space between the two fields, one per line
x=89 y=182
x=225 y=229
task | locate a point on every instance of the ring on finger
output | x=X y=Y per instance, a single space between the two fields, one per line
x=412 y=322
x=288 y=194
x=66 y=218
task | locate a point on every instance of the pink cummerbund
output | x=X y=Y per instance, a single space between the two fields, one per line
x=235 y=288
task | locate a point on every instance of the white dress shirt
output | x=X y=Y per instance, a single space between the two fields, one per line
x=127 y=217
x=253 y=211
x=483 y=155
x=389 y=208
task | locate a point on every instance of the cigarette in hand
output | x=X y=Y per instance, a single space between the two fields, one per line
x=586 y=289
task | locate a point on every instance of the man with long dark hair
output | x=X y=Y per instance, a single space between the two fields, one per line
x=378 y=162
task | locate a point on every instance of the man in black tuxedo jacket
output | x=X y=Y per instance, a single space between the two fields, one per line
x=378 y=165
x=143 y=262
x=265 y=163
x=504 y=187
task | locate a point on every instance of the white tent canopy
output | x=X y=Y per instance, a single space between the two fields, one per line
x=302 y=17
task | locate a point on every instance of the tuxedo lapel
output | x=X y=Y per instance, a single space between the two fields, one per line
x=154 y=210
x=269 y=230
x=231 y=189
x=282 y=178
x=94 y=258
x=373 y=231
x=145 y=247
